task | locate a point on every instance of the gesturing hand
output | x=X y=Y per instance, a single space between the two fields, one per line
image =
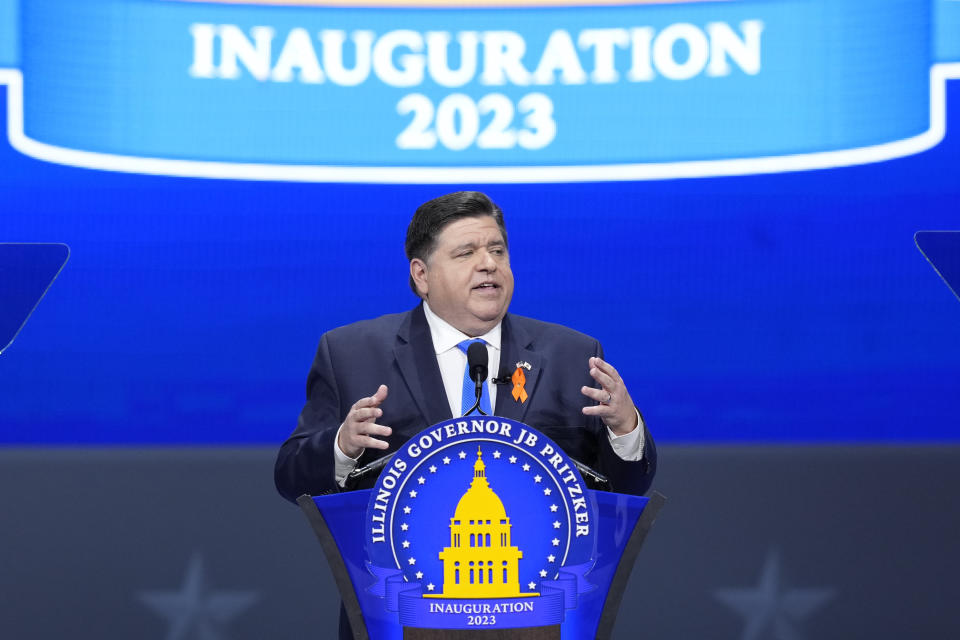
x=360 y=425
x=615 y=407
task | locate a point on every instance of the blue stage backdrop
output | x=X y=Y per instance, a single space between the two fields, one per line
x=724 y=193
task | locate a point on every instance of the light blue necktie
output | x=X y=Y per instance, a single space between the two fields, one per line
x=469 y=386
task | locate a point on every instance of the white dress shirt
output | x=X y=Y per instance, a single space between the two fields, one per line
x=453 y=362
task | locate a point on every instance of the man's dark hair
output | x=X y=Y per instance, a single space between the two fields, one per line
x=431 y=218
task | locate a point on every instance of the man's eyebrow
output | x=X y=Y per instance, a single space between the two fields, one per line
x=473 y=245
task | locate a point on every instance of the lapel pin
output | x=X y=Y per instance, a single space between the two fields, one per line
x=523 y=364
x=519 y=380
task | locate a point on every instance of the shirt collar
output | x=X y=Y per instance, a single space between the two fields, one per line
x=446 y=337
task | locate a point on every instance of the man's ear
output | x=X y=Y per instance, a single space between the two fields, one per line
x=418 y=272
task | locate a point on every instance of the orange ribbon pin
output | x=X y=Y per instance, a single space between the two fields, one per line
x=519 y=393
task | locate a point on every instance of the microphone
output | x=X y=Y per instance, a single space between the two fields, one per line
x=505 y=377
x=477 y=359
x=361 y=473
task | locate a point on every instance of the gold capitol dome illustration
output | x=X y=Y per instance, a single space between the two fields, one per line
x=480 y=562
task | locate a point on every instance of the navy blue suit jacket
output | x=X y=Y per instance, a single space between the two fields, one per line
x=397 y=350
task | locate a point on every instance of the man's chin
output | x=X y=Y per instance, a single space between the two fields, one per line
x=490 y=316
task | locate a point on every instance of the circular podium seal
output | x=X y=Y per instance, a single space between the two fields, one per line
x=480 y=522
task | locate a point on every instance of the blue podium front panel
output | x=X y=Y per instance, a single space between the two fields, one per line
x=481 y=524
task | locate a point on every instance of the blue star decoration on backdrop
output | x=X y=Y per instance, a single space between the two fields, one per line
x=429 y=498
x=197 y=612
x=772 y=607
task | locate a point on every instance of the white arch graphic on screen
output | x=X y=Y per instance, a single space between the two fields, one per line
x=939 y=74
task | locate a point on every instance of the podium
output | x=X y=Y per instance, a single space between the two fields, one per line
x=481 y=528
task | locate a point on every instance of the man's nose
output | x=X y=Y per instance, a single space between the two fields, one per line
x=487 y=262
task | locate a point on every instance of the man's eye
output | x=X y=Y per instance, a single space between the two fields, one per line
x=464 y=254
x=497 y=252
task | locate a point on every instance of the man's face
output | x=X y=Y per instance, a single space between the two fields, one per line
x=467 y=279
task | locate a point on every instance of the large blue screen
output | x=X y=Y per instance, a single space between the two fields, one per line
x=740 y=240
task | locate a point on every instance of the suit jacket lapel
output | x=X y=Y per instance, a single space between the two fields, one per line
x=418 y=365
x=516 y=347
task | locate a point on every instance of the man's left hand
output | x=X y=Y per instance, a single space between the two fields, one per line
x=615 y=407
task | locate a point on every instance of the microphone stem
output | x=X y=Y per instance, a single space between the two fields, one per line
x=476 y=405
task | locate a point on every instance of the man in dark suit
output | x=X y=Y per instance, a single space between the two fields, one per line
x=414 y=363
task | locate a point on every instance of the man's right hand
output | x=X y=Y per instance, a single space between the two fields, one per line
x=360 y=426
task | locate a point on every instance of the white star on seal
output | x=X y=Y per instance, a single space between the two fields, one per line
x=430 y=587
x=496 y=454
x=556 y=524
x=413 y=493
x=553 y=508
x=546 y=491
x=512 y=459
x=412 y=561
x=551 y=558
x=421 y=480
x=526 y=467
x=433 y=469
x=462 y=455
x=407 y=510
x=404 y=526
x=543 y=573
x=532 y=585
x=406 y=544
x=446 y=460
x=419 y=575
x=555 y=542
x=537 y=479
